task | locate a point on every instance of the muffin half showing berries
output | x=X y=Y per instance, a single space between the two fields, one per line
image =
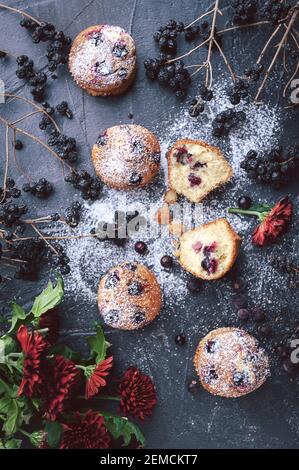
x=209 y=251
x=230 y=363
x=195 y=169
x=102 y=60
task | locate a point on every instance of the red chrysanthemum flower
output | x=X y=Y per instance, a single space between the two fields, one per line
x=274 y=224
x=96 y=379
x=137 y=393
x=87 y=431
x=274 y=221
x=61 y=380
x=50 y=320
x=33 y=346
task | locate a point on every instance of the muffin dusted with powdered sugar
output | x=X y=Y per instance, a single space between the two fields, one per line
x=230 y=363
x=102 y=60
x=129 y=296
x=127 y=156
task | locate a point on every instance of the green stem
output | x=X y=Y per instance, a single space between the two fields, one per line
x=17 y=355
x=235 y=210
x=101 y=397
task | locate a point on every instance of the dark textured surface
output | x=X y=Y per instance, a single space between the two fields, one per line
x=267 y=418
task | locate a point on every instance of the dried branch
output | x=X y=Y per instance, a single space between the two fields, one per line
x=15 y=10
x=6 y=162
x=280 y=45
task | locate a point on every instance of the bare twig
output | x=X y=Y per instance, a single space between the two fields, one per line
x=6 y=162
x=45 y=239
x=276 y=30
x=200 y=18
x=15 y=10
x=38 y=108
x=291 y=22
x=209 y=76
x=225 y=60
x=36 y=139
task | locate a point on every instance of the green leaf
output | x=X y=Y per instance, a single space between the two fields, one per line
x=54 y=433
x=17 y=318
x=8 y=345
x=49 y=298
x=13 y=414
x=65 y=351
x=122 y=427
x=98 y=344
x=4 y=388
x=11 y=444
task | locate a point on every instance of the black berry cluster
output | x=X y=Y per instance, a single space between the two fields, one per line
x=287 y=265
x=166 y=36
x=197 y=104
x=11 y=190
x=59 y=44
x=225 y=121
x=41 y=188
x=274 y=168
x=63 y=108
x=61 y=260
x=201 y=30
x=31 y=252
x=73 y=214
x=244 y=11
x=174 y=76
x=10 y=213
x=275 y=10
x=64 y=146
x=239 y=91
x=90 y=187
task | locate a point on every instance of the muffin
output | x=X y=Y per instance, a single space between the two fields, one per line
x=230 y=363
x=209 y=251
x=102 y=60
x=126 y=157
x=195 y=169
x=129 y=297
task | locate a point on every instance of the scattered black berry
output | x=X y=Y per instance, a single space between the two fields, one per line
x=244 y=202
x=166 y=261
x=180 y=339
x=140 y=247
x=225 y=121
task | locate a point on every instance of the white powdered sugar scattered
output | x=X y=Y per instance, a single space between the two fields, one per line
x=91 y=258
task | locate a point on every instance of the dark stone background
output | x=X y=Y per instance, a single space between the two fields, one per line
x=266 y=419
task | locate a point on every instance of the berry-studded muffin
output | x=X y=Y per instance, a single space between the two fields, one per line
x=230 y=363
x=195 y=169
x=209 y=251
x=102 y=60
x=127 y=156
x=129 y=297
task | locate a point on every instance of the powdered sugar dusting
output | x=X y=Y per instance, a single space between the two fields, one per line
x=91 y=259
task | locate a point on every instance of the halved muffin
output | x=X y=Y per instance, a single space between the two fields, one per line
x=195 y=169
x=209 y=251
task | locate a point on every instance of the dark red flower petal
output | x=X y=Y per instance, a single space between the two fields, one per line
x=96 y=380
x=61 y=380
x=137 y=393
x=275 y=224
x=33 y=346
x=86 y=431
